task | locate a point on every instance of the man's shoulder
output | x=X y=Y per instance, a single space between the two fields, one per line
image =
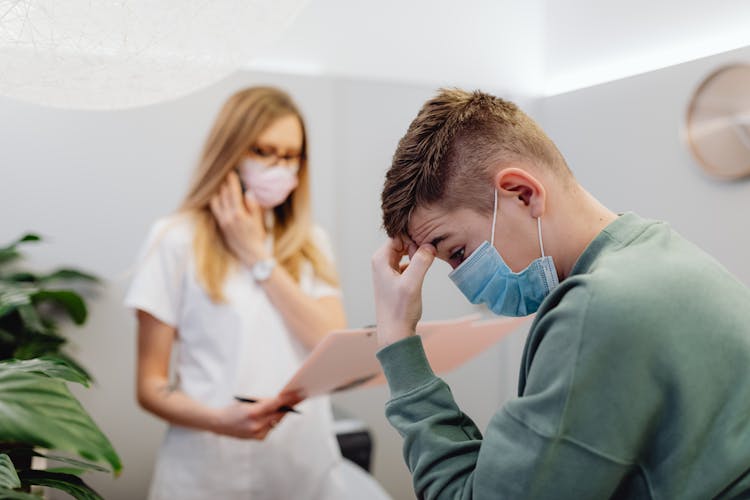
x=607 y=299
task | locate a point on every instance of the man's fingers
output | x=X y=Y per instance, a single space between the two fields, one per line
x=382 y=256
x=412 y=249
x=395 y=253
x=394 y=250
x=420 y=263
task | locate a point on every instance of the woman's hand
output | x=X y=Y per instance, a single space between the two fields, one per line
x=251 y=420
x=241 y=221
x=398 y=288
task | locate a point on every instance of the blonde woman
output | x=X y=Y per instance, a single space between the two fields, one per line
x=235 y=288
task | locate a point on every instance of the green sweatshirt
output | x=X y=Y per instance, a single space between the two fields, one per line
x=635 y=383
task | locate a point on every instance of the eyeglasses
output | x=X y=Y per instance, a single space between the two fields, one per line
x=272 y=156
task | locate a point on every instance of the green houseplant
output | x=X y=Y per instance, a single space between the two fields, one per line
x=37 y=410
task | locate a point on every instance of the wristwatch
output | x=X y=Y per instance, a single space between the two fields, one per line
x=262 y=269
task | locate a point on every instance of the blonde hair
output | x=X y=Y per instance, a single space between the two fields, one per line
x=242 y=119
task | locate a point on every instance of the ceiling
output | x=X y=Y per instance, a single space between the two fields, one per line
x=108 y=55
x=533 y=47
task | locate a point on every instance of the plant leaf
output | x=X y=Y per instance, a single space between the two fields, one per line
x=6 y=494
x=41 y=411
x=69 y=300
x=68 y=483
x=68 y=274
x=29 y=237
x=8 y=474
x=51 y=366
x=13 y=297
x=6 y=337
x=8 y=255
x=30 y=317
x=72 y=363
x=26 y=238
x=34 y=345
x=22 y=276
x=67 y=470
x=78 y=465
x=10 y=252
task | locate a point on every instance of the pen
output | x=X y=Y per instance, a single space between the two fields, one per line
x=283 y=408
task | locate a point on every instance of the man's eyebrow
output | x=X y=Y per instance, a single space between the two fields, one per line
x=436 y=241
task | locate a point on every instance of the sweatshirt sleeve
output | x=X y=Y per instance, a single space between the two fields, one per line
x=441 y=444
x=526 y=451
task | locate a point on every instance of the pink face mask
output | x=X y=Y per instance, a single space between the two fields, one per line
x=270 y=185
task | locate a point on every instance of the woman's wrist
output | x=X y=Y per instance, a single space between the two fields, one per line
x=213 y=422
x=255 y=255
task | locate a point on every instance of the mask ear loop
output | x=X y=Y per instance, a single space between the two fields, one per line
x=494 y=219
x=539 y=230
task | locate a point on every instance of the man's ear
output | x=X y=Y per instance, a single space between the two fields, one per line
x=513 y=182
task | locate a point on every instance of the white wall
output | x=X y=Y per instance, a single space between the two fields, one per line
x=589 y=42
x=533 y=47
x=427 y=42
x=623 y=141
x=92 y=182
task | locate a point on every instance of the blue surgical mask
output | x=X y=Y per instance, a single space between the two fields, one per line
x=484 y=278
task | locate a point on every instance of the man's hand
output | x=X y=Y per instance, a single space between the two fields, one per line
x=398 y=288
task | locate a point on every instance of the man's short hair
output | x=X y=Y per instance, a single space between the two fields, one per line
x=451 y=151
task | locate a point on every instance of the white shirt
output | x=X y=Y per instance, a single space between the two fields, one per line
x=240 y=347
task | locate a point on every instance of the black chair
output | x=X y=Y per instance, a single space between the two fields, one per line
x=354 y=438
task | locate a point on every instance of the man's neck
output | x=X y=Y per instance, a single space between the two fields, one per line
x=581 y=218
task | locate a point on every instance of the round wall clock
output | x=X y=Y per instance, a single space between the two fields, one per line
x=718 y=122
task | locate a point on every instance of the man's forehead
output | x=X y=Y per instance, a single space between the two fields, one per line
x=425 y=220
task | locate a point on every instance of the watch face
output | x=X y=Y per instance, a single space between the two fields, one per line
x=718 y=122
x=262 y=269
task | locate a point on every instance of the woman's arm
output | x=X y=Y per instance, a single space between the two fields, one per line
x=241 y=221
x=309 y=319
x=154 y=393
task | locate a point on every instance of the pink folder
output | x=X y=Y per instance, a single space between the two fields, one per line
x=345 y=359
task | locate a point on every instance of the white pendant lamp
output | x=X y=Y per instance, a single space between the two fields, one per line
x=113 y=54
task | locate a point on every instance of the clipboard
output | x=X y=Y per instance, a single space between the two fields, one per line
x=345 y=359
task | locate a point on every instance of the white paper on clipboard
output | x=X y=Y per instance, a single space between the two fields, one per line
x=345 y=359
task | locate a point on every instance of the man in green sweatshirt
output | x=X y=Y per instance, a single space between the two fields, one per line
x=635 y=378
